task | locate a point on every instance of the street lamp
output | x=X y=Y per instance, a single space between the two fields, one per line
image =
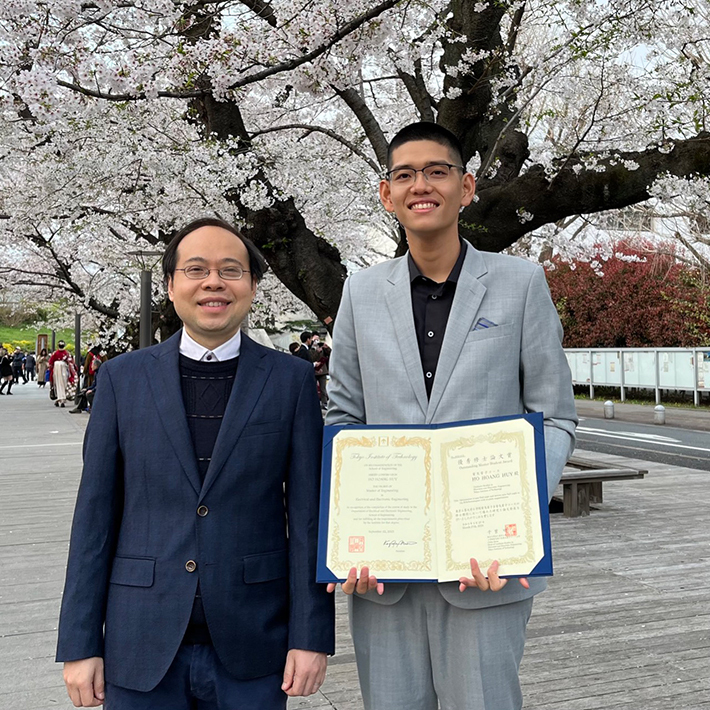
x=146 y=299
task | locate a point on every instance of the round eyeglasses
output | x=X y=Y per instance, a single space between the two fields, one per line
x=228 y=273
x=436 y=172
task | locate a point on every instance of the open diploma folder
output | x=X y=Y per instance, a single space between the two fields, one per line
x=415 y=503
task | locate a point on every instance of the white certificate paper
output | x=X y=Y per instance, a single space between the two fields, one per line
x=417 y=503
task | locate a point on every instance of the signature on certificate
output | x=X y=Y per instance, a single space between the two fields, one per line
x=399 y=543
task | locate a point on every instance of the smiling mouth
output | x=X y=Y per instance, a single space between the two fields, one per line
x=422 y=206
x=214 y=304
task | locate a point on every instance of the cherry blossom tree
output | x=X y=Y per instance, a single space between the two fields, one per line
x=122 y=119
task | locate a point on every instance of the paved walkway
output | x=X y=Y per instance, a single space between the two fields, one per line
x=625 y=623
x=697 y=419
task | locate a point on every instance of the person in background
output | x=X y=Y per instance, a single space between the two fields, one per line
x=6 y=375
x=30 y=363
x=86 y=396
x=92 y=356
x=18 y=365
x=42 y=365
x=61 y=373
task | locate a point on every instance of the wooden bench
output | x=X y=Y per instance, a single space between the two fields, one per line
x=583 y=485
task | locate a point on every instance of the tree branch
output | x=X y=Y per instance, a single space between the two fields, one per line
x=262 y=9
x=530 y=201
x=326 y=131
x=367 y=119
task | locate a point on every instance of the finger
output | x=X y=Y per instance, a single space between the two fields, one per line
x=74 y=696
x=331 y=587
x=298 y=686
x=87 y=696
x=364 y=581
x=348 y=585
x=524 y=582
x=380 y=588
x=477 y=574
x=372 y=583
x=289 y=670
x=494 y=581
x=99 y=683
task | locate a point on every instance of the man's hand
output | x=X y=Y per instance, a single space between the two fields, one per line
x=361 y=586
x=493 y=582
x=304 y=673
x=85 y=682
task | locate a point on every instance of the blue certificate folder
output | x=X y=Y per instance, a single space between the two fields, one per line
x=535 y=419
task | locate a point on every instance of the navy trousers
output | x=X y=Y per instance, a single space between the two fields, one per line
x=197 y=680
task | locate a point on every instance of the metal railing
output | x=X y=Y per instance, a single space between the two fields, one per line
x=655 y=369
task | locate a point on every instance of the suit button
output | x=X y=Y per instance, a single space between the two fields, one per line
x=202 y=511
x=191 y=565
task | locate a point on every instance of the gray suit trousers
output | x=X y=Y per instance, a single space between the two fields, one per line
x=422 y=648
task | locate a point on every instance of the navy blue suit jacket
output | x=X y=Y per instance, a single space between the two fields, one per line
x=128 y=593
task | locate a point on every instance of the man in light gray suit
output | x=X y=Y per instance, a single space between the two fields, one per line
x=444 y=334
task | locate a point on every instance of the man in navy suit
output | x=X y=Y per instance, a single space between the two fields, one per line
x=191 y=574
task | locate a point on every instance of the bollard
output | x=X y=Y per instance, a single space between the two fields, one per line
x=608 y=409
x=659 y=414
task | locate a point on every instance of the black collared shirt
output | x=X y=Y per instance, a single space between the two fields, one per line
x=431 y=304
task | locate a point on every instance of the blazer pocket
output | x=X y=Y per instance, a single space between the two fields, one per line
x=260 y=428
x=498 y=331
x=266 y=567
x=133 y=571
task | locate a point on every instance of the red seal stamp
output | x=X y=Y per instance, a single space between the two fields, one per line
x=511 y=530
x=356 y=543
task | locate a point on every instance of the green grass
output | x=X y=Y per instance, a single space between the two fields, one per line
x=20 y=336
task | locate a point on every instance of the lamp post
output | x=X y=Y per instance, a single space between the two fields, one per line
x=145 y=333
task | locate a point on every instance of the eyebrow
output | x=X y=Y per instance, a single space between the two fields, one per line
x=411 y=167
x=202 y=260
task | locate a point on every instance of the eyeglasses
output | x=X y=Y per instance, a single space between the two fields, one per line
x=228 y=273
x=438 y=172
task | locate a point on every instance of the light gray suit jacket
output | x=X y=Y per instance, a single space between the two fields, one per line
x=515 y=367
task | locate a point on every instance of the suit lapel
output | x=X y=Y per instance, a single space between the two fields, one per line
x=252 y=374
x=467 y=300
x=164 y=379
x=399 y=303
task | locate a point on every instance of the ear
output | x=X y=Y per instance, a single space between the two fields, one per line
x=170 y=289
x=253 y=287
x=469 y=189
x=386 y=195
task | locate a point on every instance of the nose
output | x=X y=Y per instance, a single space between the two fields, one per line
x=420 y=184
x=213 y=282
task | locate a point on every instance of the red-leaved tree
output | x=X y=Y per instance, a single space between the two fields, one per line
x=633 y=295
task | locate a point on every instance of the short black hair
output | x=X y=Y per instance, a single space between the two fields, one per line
x=257 y=264
x=305 y=335
x=426 y=131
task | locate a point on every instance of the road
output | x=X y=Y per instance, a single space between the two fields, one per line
x=662 y=444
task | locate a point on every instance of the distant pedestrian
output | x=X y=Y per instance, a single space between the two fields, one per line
x=30 y=363
x=42 y=365
x=303 y=351
x=18 y=364
x=61 y=373
x=6 y=376
x=91 y=364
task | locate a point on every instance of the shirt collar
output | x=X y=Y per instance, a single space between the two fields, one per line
x=453 y=277
x=192 y=349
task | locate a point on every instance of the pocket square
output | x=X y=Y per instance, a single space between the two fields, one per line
x=483 y=323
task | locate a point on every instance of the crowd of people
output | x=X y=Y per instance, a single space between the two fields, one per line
x=313 y=350
x=57 y=368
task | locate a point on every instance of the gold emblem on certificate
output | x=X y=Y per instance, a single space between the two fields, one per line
x=418 y=503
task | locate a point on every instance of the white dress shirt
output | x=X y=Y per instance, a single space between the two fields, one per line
x=192 y=349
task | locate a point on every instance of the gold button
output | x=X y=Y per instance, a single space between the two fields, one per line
x=202 y=511
x=191 y=565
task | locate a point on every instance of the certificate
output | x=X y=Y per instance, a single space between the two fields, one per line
x=415 y=503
